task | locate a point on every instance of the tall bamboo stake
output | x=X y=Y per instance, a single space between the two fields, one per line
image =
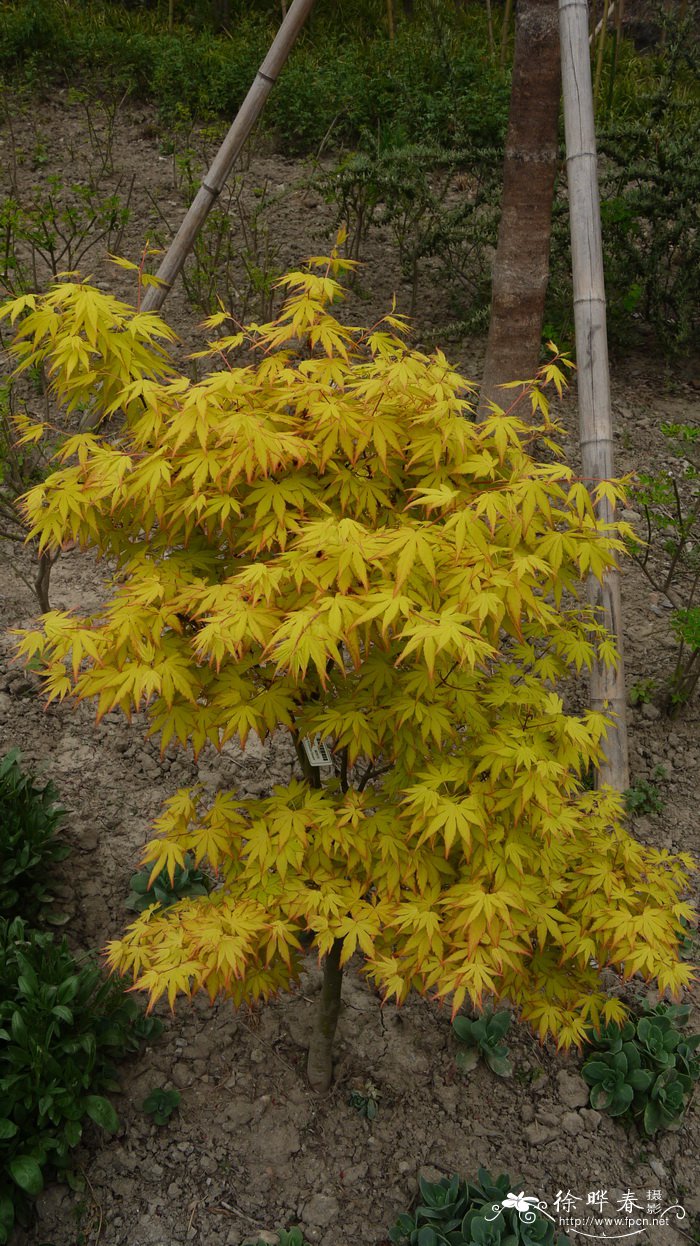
x=390 y=18
x=489 y=18
x=505 y=30
x=215 y=179
x=595 y=422
x=601 y=51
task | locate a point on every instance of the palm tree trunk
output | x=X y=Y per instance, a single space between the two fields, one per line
x=521 y=267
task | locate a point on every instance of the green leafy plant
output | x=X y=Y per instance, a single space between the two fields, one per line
x=187 y=881
x=30 y=816
x=642 y=693
x=53 y=229
x=62 y=1025
x=482 y=1037
x=438 y=205
x=670 y=554
x=366 y=1101
x=292 y=1237
x=684 y=680
x=644 y=795
x=418 y=87
x=687 y=939
x=160 y=1104
x=644 y=1069
x=454 y=1212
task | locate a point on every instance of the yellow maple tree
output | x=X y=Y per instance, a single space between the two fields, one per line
x=316 y=537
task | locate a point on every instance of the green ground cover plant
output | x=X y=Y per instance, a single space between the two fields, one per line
x=366 y=1101
x=644 y=795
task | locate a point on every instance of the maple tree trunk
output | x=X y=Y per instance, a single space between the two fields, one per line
x=42 y=581
x=319 y=1068
x=521 y=266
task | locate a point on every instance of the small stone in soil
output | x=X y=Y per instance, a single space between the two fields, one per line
x=320 y=1210
x=573 y=1091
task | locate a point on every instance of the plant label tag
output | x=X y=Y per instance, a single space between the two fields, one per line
x=317 y=752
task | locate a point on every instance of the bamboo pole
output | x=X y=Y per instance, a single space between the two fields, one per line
x=595 y=422
x=390 y=18
x=599 y=25
x=215 y=179
x=619 y=13
x=505 y=30
x=489 y=19
x=601 y=52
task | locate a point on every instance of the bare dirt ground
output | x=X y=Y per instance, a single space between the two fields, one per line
x=251 y=1148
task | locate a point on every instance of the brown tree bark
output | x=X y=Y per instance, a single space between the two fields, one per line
x=521 y=266
x=319 y=1065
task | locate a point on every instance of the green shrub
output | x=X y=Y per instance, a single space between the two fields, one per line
x=438 y=203
x=414 y=89
x=669 y=555
x=61 y=1027
x=650 y=200
x=29 y=818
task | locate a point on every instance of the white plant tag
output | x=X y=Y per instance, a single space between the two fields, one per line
x=317 y=752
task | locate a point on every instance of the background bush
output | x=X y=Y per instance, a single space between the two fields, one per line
x=29 y=818
x=348 y=86
x=61 y=1027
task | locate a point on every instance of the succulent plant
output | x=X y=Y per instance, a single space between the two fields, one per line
x=658 y=1039
x=614 y=1077
x=483 y=1037
x=161 y=1104
x=646 y=1068
x=292 y=1237
x=187 y=881
x=667 y=1101
x=478 y=1213
x=366 y=1101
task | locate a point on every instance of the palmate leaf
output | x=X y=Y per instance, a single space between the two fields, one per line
x=317 y=542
